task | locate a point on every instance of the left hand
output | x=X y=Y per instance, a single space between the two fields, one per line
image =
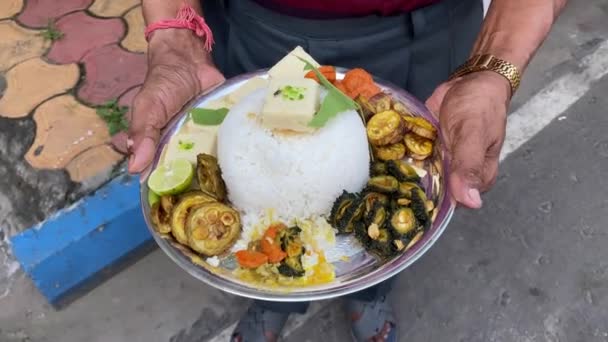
x=472 y=113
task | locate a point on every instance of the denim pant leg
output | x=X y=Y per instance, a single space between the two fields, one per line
x=372 y=293
x=283 y=307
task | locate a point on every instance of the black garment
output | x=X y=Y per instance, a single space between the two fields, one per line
x=416 y=51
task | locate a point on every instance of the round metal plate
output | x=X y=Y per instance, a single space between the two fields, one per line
x=359 y=272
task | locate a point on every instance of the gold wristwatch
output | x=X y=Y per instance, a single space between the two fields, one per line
x=488 y=62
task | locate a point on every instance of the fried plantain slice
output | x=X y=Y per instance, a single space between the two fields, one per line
x=419 y=147
x=390 y=152
x=385 y=128
x=420 y=126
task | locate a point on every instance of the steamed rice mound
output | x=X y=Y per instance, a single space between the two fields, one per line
x=297 y=175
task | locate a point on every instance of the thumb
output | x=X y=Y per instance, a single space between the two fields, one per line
x=433 y=103
x=467 y=157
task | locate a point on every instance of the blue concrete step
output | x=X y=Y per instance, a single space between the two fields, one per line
x=83 y=245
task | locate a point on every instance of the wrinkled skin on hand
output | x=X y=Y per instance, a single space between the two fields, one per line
x=179 y=69
x=472 y=113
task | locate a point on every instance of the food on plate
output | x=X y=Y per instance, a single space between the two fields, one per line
x=212 y=228
x=288 y=164
x=171 y=178
x=179 y=215
x=390 y=152
x=376 y=104
x=419 y=147
x=326 y=70
x=247 y=88
x=209 y=176
x=290 y=104
x=420 y=127
x=385 y=128
x=188 y=145
x=292 y=65
x=403 y=171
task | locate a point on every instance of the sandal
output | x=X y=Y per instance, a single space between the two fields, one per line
x=259 y=325
x=369 y=319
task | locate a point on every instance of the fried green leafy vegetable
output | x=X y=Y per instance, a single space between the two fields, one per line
x=419 y=207
x=209 y=176
x=291 y=265
x=403 y=171
x=341 y=206
x=383 y=184
x=403 y=221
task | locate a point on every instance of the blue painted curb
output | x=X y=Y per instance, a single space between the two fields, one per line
x=85 y=244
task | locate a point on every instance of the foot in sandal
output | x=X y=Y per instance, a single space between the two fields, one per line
x=372 y=321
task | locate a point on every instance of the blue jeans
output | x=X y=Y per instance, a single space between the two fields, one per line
x=416 y=51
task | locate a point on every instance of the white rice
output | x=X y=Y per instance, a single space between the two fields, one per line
x=295 y=176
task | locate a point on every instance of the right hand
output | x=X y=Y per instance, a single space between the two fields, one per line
x=179 y=69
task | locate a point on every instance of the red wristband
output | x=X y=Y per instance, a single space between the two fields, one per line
x=187 y=18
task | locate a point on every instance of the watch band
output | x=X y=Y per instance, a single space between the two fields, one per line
x=488 y=62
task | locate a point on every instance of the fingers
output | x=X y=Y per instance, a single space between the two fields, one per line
x=119 y=141
x=467 y=159
x=149 y=117
x=433 y=103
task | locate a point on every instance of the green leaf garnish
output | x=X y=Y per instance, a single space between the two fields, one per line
x=335 y=101
x=292 y=93
x=208 y=117
x=185 y=145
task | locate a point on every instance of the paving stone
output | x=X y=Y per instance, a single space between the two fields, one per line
x=93 y=162
x=9 y=8
x=37 y=13
x=110 y=71
x=33 y=81
x=112 y=8
x=18 y=44
x=64 y=129
x=77 y=41
x=135 y=40
x=28 y=195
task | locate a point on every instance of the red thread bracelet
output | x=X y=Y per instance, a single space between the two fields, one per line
x=187 y=18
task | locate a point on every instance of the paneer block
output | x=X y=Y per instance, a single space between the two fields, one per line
x=291 y=66
x=290 y=104
x=246 y=89
x=189 y=145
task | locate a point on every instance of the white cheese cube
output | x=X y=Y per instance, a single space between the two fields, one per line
x=246 y=89
x=290 y=104
x=189 y=145
x=291 y=66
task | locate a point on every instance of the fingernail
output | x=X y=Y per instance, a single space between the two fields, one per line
x=142 y=155
x=475 y=198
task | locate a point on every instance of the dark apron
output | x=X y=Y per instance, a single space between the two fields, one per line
x=416 y=51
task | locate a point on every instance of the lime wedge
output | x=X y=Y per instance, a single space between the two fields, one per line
x=172 y=177
x=152 y=198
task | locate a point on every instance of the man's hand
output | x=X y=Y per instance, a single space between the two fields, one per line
x=178 y=70
x=472 y=113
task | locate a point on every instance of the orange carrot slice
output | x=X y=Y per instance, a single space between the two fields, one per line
x=326 y=70
x=250 y=259
x=356 y=78
x=270 y=246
